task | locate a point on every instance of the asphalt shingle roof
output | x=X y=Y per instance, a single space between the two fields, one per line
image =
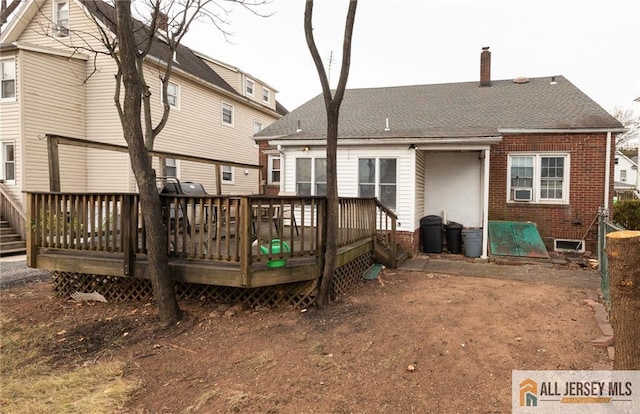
x=449 y=110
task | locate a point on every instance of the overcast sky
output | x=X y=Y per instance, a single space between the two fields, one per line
x=595 y=44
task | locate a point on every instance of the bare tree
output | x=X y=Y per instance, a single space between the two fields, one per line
x=629 y=120
x=129 y=42
x=7 y=9
x=332 y=104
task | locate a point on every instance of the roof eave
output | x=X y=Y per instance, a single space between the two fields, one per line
x=559 y=130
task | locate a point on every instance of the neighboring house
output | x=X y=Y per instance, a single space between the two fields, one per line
x=625 y=173
x=49 y=88
x=535 y=150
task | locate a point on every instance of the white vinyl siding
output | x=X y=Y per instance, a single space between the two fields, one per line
x=61 y=111
x=347 y=159
x=538 y=177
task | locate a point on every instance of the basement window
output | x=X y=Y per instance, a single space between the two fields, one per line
x=569 y=246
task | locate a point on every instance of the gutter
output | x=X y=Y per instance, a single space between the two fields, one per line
x=559 y=130
x=607 y=172
x=420 y=142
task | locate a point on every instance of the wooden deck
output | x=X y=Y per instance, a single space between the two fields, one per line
x=215 y=240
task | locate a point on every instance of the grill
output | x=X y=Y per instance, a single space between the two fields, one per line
x=173 y=186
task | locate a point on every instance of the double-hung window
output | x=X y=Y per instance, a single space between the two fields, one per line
x=8 y=80
x=377 y=177
x=227 y=174
x=8 y=161
x=538 y=178
x=227 y=114
x=311 y=176
x=61 y=18
x=171 y=167
x=266 y=95
x=173 y=94
x=250 y=87
x=274 y=169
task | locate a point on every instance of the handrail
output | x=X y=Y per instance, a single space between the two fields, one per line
x=13 y=213
x=386 y=210
x=388 y=235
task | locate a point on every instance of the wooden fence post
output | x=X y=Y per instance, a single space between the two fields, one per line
x=245 y=216
x=127 y=233
x=54 y=164
x=623 y=252
x=32 y=223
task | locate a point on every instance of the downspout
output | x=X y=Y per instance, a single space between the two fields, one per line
x=485 y=204
x=607 y=172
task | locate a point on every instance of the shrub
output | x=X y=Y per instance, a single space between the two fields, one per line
x=627 y=214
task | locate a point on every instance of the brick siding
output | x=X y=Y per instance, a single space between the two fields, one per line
x=587 y=152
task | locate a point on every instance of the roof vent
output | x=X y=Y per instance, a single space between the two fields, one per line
x=521 y=79
x=553 y=81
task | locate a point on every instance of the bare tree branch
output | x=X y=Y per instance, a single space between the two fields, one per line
x=630 y=120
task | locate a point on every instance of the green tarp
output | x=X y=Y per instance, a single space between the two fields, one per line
x=512 y=238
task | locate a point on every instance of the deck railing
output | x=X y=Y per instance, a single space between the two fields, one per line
x=11 y=212
x=248 y=233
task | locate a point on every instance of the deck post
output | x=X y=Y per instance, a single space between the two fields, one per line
x=394 y=245
x=54 y=164
x=218 y=180
x=129 y=231
x=32 y=223
x=246 y=217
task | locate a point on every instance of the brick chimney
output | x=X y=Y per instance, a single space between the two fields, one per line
x=485 y=67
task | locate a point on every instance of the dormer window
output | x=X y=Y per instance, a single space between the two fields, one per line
x=61 y=18
x=250 y=87
x=266 y=95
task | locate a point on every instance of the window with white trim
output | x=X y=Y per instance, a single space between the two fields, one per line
x=623 y=175
x=227 y=114
x=250 y=87
x=377 y=177
x=8 y=80
x=311 y=176
x=257 y=127
x=61 y=18
x=8 y=161
x=170 y=167
x=173 y=95
x=274 y=170
x=227 y=174
x=266 y=95
x=538 y=178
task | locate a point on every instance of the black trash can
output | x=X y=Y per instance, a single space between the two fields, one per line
x=431 y=231
x=454 y=237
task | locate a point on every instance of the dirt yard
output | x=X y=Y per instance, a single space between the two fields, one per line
x=415 y=343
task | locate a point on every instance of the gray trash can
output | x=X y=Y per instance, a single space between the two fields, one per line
x=472 y=240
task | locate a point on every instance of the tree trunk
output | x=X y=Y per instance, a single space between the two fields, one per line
x=331 y=249
x=623 y=252
x=158 y=270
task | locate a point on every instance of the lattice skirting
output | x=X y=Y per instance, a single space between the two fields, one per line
x=296 y=295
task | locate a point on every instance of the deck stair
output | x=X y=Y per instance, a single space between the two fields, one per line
x=10 y=242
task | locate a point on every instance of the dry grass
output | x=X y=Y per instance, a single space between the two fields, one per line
x=31 y=384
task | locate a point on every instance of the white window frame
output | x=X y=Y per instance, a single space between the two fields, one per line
x=3 y=158
x=270 y=168
x=224 y=106
x=377 y=182
x=12 y=62
x=266 y=95
x=60 y=30
x=176 y=96
x=171 y=164
x=227 y=169
x=537 y=178
x=257 y=127
x=313 y=182
x=623 y=176
x=250 y=87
